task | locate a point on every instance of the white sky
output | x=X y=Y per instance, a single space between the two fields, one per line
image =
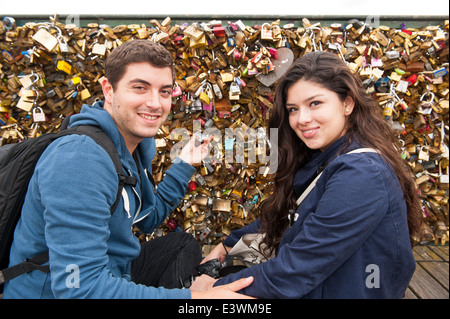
x=226 y=7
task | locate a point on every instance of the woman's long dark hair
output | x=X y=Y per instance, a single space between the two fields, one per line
x=365 y=125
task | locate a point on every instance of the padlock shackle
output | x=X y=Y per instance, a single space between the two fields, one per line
x=427 y=93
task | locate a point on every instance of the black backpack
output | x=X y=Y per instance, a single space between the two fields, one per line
x=17 y=162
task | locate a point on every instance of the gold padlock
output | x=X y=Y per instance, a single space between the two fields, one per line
x=266 y=32
x=45 y=38
x=204 y=98
x=84 y=93
x=424 y=155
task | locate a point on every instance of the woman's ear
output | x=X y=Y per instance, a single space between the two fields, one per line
x=349 y=104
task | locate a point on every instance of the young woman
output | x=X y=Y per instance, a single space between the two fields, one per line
x=350 y=237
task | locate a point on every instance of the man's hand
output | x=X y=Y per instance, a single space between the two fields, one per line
x=219 y=252
x=194 y=152
x=202 y=289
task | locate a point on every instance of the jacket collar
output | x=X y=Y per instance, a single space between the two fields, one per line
x=319 y=160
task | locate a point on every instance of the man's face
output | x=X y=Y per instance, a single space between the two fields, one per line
x=141 y=101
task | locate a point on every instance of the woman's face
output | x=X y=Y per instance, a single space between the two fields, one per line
x=316 y=114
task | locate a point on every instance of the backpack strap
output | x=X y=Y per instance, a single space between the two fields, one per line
x=100 y=137
x=28 y=265
x=313 y=183
x=292 y=216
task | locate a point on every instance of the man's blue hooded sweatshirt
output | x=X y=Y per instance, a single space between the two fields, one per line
x=67 y=212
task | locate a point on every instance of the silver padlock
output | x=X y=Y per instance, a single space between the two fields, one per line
x=234 y=89
x=443 y=178
x=217 y=91
x=392 y=55
x=196 y=105
x=38 y=116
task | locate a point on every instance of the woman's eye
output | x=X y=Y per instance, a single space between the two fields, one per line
x=291 y=109
x=315 y=103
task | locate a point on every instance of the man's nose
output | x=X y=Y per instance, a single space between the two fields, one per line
x=153 y=99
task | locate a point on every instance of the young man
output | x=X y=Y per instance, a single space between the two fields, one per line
x=67 y=208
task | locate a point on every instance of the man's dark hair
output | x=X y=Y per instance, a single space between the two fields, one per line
x=136 y=51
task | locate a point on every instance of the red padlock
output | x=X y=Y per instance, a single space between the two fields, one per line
x=236 y=55
x=171 y=223
x=219 y=31
x=223 y=114
x=273 y=52
x=412 y=79
x=176 y=91
x=192 y=186
x=257 y=57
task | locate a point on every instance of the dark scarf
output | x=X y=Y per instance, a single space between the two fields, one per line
x=319 y=160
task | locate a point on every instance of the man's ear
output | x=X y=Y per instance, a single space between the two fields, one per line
x=108 y=91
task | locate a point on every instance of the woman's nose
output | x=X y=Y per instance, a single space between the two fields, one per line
x=303 y=116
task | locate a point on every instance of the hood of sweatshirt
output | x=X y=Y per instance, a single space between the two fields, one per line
x=96 y=115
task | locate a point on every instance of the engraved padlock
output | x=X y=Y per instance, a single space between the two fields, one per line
x=266 y=32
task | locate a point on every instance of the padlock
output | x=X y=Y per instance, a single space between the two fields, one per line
x=176 y=91
x=443 y=177
x=204 y=98
x=63 y=46
x=424 y=155
x=226 y=76
x=217 y=91
x=266 y=32
x=64 y=66
x=29 y=80
x=38 y=116
x=45 y=38
x=221 y=205
x=84 y=93
x=392 y=55
x=99 y=49
x=234 y=89
x=196 y=105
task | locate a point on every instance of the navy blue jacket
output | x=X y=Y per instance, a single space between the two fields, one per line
x=351 y=237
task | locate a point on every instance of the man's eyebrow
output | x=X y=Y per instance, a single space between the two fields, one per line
x=137 y=80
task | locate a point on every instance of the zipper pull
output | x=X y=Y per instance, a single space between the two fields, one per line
x=292 y=216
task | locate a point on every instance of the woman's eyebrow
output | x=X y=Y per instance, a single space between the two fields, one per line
x=306 y=100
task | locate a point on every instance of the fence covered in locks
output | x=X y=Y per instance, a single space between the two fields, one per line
x=225 y=78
